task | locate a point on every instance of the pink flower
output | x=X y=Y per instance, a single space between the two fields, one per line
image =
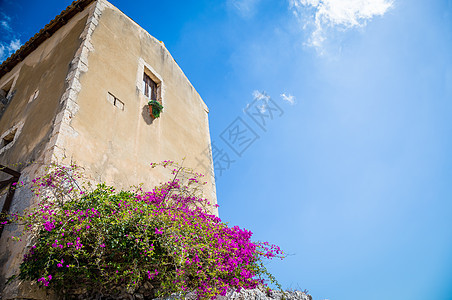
x=49 y=226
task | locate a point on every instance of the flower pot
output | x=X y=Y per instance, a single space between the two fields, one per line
x=155 y=108
x=150 y=112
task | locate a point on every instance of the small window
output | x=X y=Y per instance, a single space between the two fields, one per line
x=150 y=87
x=6 y=94
x=9 y=138
x=149 y=83
x=115 y=101
x=3 y=98
x=5 y=90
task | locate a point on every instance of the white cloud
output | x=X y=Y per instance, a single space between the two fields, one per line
x=6 y=50
x=262 y=108
x=5 y=21
x=14 y=45
x=289 y=98
x=8 y=41
x=5 y=25
x=322 y=15
x=260 y=96
x=246 y=8
x=2 y=52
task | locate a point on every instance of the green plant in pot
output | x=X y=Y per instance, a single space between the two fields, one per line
x=155 y=108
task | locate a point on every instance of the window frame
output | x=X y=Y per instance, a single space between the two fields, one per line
x=144 y=69
x=150 y=87
x=15 y=131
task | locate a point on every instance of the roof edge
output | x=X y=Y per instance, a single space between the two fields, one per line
x=45 y=33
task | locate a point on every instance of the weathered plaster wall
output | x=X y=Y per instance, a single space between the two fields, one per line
x=117 y=145
x=45 y=70
x=99 y=51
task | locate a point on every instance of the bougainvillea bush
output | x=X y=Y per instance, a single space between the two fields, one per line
x=100 y=239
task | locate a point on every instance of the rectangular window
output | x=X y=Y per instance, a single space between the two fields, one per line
x=7 y=139
x=149 y=87
x=6 y=94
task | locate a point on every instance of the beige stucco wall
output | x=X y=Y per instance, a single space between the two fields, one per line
x=45 y=70
x=117 y=145
x=99 y=51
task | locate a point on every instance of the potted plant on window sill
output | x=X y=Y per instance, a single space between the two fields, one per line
x=155 y=108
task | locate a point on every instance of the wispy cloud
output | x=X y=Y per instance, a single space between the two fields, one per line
x=245 y=8
x=9 y=42
x=262 y=108
x=7 y=49
x=288 y=97
x=321 y=16
x=4 y=23
x=14 y=45
x=260 y=96
x=2 y=53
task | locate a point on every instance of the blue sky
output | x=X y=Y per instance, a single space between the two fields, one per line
x=352 y=179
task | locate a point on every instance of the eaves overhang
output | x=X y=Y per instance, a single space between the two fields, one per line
x=46 y=32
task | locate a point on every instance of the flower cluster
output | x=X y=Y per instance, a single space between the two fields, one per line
x=166 y=237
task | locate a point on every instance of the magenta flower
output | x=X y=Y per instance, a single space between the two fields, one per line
x=49 y=226
x=148 y=227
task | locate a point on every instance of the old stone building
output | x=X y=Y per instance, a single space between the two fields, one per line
x=78 y=90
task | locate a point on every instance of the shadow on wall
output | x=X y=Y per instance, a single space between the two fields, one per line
x=146 y=116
